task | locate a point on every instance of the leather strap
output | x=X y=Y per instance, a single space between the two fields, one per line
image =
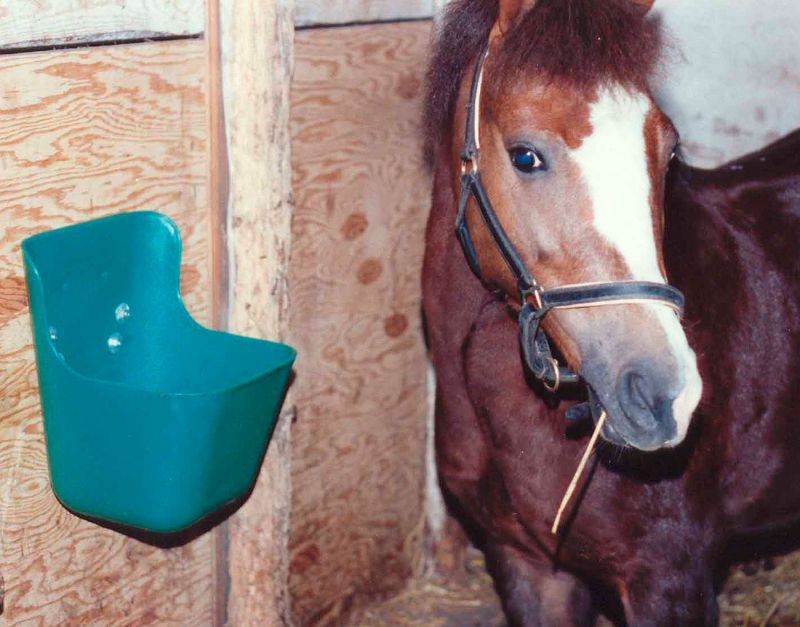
x=462 y=230
x=618 y=292
x=471 y=185
x=472 y=132
x=537 y=354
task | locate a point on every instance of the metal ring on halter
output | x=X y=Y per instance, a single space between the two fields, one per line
x=557 y=375
x=536 y=293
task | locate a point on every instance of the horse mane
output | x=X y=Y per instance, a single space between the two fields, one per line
x=583 y=43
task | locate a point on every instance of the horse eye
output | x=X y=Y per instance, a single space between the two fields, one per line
x=526 y=159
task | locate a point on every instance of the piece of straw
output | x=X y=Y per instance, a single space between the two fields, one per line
x=775 y=607
x=573 y=484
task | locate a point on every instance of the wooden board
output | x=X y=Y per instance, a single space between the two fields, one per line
x=84 y=133
x=361 y=204
x=251 y=46
x=316 y=12
x=26 y=24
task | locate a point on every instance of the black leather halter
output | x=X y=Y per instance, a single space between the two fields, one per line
x=536 y=301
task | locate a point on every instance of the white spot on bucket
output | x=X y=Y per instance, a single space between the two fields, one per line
x=122 y=312
x=114 y=343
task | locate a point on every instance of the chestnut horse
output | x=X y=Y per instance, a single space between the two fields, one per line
x=574 y=157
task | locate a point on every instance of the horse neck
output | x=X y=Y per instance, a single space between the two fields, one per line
x=688 y=220
x=722 y=244
x=718 y=213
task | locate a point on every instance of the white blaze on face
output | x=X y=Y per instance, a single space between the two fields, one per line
x=613 y=163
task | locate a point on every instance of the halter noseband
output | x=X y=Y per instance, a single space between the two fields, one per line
x=536 y=301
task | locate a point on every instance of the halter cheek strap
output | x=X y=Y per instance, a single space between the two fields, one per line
x=536 y=301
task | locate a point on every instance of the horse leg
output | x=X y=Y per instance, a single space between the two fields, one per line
x=533 y=595
x=654 y=596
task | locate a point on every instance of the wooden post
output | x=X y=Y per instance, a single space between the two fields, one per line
x=251 y=47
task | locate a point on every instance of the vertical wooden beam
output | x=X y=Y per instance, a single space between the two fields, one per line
x=217 y=160
x=252 y=184
x=218 y=170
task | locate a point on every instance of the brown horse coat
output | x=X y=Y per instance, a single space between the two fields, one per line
x=648 y=533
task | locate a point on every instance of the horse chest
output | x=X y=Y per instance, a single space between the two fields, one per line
x=531 y=460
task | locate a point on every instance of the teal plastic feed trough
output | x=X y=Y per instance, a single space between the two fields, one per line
x=151 y=421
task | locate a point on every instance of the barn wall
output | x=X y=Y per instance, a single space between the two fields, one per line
x=195 y=126
x=361 y=203
x=85 y=133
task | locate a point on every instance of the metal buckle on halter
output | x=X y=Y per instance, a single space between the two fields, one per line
x=534 y=291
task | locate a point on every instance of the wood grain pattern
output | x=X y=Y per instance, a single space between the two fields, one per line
x=255 y=43
x=217 y=168
x=86 y=133
x=316 y=12
x=362 y=198
x=56 y=22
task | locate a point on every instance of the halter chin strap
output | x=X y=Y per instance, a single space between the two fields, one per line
x=536 y=301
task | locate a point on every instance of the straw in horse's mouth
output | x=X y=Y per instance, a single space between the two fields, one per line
x=581 y=467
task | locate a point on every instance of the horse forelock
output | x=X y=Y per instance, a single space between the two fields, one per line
x=583 y=43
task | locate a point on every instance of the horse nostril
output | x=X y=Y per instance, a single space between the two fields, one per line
x=637 y=390
x=644 y=398
x=637 y=398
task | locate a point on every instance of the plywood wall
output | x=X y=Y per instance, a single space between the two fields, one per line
x=85 y=133
x=361 y=203
x=198 y=128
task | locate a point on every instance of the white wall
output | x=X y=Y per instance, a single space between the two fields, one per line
x=733 y=82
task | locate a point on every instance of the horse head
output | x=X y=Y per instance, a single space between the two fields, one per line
x=570 y=151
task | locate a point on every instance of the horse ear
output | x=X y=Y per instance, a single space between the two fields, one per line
x=509 y=12
x=644 y=5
